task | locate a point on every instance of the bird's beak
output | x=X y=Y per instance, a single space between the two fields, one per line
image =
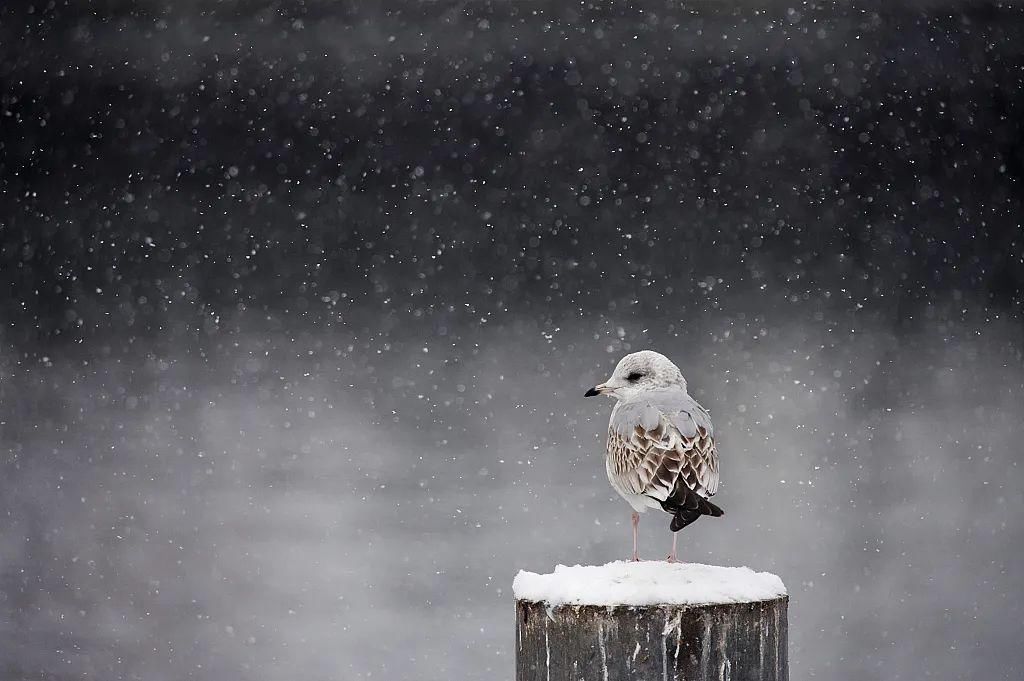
x=598 y=390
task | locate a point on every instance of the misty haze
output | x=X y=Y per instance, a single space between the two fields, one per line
x=303 y=299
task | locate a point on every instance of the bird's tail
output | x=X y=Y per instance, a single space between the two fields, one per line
x=707 y=508
x=693 y=507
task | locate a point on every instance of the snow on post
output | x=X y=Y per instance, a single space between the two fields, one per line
x=650 y=620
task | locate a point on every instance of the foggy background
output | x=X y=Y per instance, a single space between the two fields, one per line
x=301 y=300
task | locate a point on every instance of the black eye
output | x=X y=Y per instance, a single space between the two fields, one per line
x=634 y=377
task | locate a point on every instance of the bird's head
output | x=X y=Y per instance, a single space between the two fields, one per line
x=637 y=372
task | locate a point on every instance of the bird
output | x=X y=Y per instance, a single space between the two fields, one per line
x=660 y=451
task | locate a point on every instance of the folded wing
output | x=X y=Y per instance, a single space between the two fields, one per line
x=666 y=454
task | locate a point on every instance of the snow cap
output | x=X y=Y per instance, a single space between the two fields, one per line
x=647 y=583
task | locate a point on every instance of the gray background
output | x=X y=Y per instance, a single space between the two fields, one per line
x=303 y=299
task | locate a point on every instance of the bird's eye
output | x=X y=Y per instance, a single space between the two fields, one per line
x=634 y=377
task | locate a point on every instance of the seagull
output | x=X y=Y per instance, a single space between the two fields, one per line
x=661 y=447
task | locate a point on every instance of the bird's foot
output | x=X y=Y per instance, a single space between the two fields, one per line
x=672 y=559
x=635 y=558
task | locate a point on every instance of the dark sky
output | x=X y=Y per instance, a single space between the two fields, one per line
x=302 y=297
x=501 y=158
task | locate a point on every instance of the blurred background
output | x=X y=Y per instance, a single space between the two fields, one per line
x=301 y=300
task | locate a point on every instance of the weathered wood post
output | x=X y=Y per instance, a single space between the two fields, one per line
x=650 y=620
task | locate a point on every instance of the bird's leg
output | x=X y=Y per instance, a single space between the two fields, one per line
x=636 y=522
x=672 y=556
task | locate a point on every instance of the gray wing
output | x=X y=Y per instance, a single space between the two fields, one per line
x=656 y=444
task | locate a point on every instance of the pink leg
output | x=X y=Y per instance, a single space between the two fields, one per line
x=672 y=556
x=636 y=522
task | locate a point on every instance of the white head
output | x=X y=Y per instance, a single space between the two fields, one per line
x=638 y=372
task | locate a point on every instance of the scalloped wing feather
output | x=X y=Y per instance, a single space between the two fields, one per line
x=649 y=453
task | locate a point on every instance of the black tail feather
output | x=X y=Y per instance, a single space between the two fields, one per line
x=687 y=506
x=711 y=509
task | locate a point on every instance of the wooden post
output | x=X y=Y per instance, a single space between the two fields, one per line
x=569 y=642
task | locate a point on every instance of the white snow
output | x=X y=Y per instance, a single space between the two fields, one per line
x=647 y=583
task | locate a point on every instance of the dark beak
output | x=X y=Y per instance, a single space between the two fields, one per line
x=591 y=392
